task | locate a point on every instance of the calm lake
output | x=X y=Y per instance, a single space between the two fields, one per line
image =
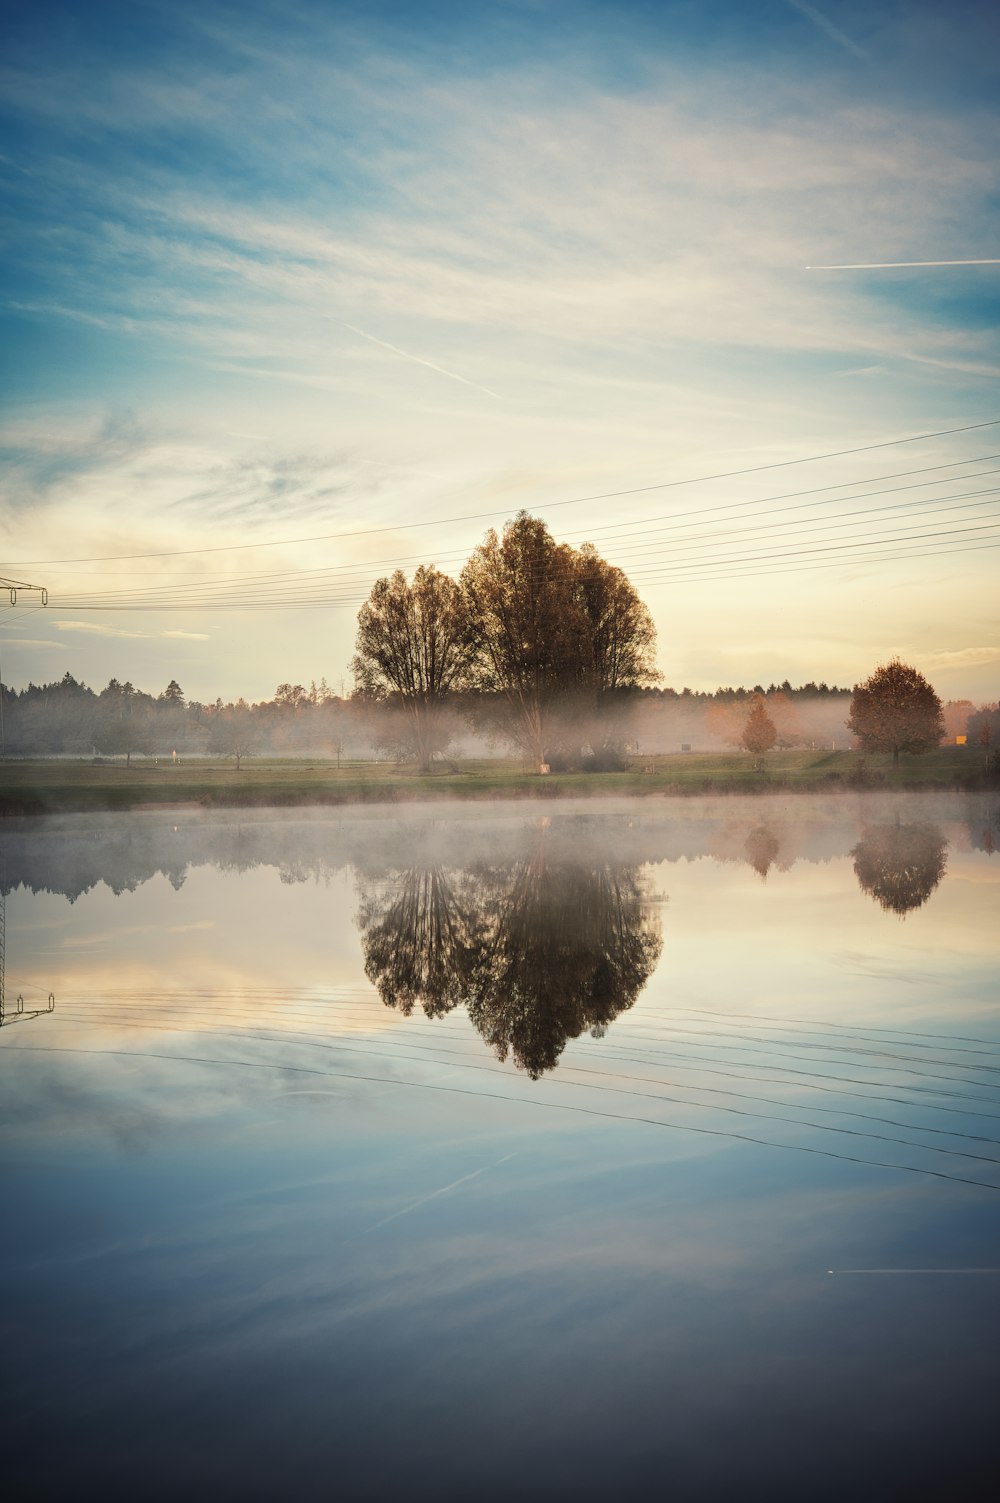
x=562 y=1151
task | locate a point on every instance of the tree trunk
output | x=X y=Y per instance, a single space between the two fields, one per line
x=895 y=756
x=422 y=740
x=535 y=735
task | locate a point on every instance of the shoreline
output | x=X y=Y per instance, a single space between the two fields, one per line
x=40 y=787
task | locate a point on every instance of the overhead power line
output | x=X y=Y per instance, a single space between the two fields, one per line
x=549 y=505
x=16 y=587
x=648 y=556
x=759 y=570
x=664 y=573
x=616 y=527
x=935 y=550
x=649 y=537
x=797 y=553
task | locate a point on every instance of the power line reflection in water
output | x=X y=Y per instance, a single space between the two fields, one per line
x=544 y=941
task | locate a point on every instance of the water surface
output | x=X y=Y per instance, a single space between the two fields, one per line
x=503 y=1152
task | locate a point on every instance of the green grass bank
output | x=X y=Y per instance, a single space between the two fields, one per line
x=50 y=786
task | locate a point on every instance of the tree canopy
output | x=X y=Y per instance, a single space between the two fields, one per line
x=542 y=636
x=556 y=630
x=759 y=733
x=622 y=634
x=414 y=645
x=896 y=710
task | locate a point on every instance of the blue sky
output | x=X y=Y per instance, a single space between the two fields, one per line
x=279 y=272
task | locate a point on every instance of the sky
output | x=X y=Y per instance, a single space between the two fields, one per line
x=294 y=295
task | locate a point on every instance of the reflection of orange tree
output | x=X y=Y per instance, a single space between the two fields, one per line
x=900 y=865
x=759 y=845
x=762 y=847
x=539 y=950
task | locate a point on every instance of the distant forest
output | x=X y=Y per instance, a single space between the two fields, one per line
x=68 y=718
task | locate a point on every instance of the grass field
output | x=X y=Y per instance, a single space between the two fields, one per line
x=54 y=786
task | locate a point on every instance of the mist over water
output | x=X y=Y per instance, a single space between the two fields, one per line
x=503 y=1148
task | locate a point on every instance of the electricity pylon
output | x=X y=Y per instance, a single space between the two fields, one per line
x=14 y=586
x=20 y=1016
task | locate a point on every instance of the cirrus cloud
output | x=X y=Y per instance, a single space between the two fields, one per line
x=94 y=629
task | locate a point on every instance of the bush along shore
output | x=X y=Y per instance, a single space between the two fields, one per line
x=67 y=786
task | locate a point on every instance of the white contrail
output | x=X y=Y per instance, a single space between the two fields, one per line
x=888 y=265
x=818 y=19
x=912 y=1270
x=443 y=1191
x=418 y=360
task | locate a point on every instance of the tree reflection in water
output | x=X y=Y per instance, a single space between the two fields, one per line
x=762 y=847
x=900 y=865
x=538 y=949
x=421 y=939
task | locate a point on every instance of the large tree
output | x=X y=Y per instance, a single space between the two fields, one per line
x=133 y=734
x=558 y=633
x=622 y=645
x=122 y=724
x=236 y=732
x=896 y=710
x=530 y=628
x=622 y=634
x=413 y=649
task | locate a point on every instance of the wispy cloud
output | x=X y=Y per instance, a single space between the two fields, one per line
x=77 y=315
x=188 y=636
x=94 y=629
x=624 y=263
x=963 y=657
x=37 y=457
x=31 y=642
x=550 y=236
x=257 y=487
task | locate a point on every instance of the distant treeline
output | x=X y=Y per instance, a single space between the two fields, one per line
x=68 y=718
x=72 y=858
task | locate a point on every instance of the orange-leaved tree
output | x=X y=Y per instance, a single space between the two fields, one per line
x=759 y=733
x=896 y=710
